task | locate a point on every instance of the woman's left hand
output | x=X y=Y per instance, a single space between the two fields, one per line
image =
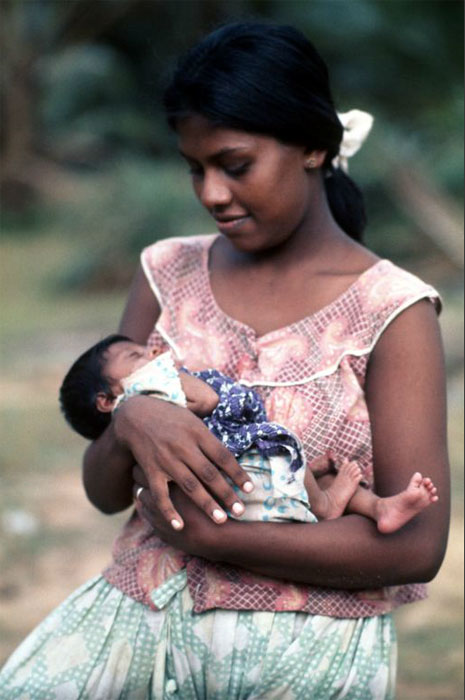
x=199 y=532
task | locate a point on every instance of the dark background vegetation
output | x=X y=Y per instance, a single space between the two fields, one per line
x=90 y=175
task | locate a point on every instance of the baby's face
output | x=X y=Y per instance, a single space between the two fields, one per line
x=122 y=359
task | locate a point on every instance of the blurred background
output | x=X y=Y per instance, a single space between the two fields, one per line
x=90 y=175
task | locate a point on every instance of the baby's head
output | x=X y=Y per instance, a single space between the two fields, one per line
x=90 y=388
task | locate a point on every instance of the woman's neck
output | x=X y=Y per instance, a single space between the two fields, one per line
x=316 y=241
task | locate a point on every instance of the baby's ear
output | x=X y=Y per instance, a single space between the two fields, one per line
x=105 y=402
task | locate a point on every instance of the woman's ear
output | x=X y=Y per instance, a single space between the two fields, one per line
x=105 y=402
x=314 y=159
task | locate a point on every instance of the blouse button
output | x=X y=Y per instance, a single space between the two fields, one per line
x=250 y=346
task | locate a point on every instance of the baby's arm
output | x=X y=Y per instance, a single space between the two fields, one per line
x=201 y=398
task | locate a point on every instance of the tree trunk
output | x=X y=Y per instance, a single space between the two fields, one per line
x=19 y=99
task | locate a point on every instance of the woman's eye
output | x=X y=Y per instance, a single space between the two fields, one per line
x=231 y=171
x=237 y=170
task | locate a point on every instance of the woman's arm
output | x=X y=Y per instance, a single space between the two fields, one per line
x=169 y=442
x=107 y=465
x=405 y=392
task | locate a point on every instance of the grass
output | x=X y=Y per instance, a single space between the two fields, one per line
x=30 y=274
x=42 y=332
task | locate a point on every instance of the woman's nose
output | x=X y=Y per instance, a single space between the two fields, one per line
x=213 y=192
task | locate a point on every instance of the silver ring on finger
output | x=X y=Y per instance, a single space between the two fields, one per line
x=138 y=492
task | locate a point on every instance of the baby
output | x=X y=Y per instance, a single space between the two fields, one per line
x=117 y=368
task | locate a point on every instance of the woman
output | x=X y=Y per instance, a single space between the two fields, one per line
x=344 y=349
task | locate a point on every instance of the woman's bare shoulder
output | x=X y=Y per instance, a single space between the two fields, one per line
x=361 y=258
x=142 y=309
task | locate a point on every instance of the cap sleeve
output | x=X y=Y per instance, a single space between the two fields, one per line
x=354 y=326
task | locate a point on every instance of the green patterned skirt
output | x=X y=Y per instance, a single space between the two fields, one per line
x=101 y=645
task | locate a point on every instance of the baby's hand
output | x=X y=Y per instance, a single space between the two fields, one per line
x=201 y=398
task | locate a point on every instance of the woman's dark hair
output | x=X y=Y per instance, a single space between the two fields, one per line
x=268 y=79
x=78 y=393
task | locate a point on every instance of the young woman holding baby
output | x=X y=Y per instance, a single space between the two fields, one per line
x=344 y=350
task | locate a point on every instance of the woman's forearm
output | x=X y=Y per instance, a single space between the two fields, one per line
x=107 y=473
x=346 y=553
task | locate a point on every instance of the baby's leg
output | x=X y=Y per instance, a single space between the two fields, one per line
x=330 y=494
x=391 y=513
x=364 y=502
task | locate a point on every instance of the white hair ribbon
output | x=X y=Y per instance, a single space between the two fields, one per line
x=357 y=126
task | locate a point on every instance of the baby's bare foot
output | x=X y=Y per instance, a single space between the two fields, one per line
x=341 y=490
x=395 y=511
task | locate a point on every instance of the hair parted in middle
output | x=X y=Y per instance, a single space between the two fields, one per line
x=267 y=79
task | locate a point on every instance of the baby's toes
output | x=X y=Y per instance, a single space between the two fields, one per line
x=429 y=484
x=355 y=469
x=417 y=480
x=431 y=490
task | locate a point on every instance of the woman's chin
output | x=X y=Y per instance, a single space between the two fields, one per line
x=254 y=244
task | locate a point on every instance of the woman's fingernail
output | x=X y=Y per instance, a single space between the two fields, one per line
x=247 y=487
x=218 y=515
x=176 y=524
x=237 y=508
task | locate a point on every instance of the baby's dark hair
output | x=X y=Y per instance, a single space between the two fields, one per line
x=78 y=393
x=268 y=79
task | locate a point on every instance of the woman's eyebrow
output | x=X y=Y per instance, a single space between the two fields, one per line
x=218 y=154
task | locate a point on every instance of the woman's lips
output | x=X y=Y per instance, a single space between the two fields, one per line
x=231 y=225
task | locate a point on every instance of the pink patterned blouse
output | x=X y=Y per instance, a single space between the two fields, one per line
x=310 y=375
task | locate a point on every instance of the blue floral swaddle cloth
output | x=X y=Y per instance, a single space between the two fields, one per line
x=269 y=453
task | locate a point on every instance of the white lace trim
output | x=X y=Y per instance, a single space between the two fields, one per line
x=427 y=294
x=153 y=286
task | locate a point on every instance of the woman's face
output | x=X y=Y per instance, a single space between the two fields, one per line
x=255 y=187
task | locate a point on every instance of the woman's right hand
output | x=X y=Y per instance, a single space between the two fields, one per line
x=171 y=444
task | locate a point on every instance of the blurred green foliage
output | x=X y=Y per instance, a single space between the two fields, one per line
x=132 y=204
x=90 y=78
